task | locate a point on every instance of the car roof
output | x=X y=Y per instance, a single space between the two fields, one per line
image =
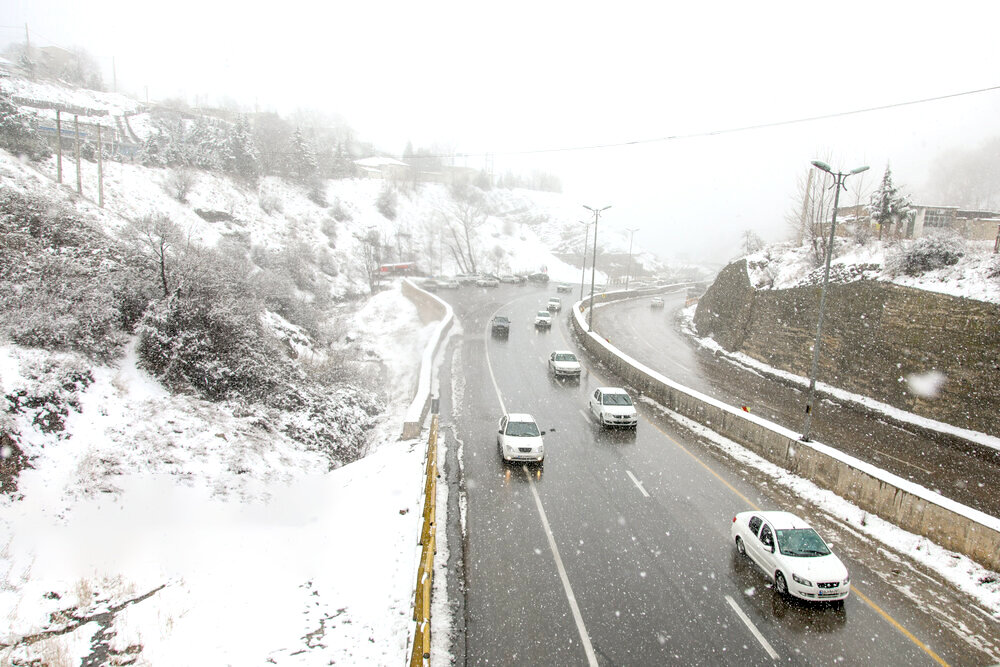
x=520 y=417
x=782 y=520
x=612 y=390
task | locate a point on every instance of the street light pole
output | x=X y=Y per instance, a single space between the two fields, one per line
x=838 y=183
x=593 y=264
x=586 y=239
x=628 y=271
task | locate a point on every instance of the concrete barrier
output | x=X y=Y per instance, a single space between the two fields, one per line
x=430 y=308
x=899 y=501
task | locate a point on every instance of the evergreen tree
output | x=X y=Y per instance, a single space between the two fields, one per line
x=889 y=206
x=241 y=158
x=302 y=165
x=205 y=145
x=19 y=132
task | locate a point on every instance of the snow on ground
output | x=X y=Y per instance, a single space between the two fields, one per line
x=248 y=549
x=976 y=275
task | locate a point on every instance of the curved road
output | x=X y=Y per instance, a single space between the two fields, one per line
x=955 y=468
x=617 y=551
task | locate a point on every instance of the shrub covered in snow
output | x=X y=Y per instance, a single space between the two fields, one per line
x=926 y=254
x=63 y=284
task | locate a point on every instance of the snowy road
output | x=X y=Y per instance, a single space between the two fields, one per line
x=617 y=550
x=953 y=467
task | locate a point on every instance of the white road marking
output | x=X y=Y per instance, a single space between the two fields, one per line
x=637 y=482
x=753 y=628
x=584 y=637
x=571 y=598
x=584 y=415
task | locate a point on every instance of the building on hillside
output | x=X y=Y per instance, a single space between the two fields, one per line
x=971 y=224
x=386 y=168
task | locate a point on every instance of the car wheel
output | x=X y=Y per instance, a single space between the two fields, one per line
x=739 y=546
x=780 y=584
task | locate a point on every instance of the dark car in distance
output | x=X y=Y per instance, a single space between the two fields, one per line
x=500 y=326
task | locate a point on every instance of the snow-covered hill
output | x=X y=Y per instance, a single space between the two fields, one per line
x=951 y=266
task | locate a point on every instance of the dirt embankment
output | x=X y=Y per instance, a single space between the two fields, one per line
x=931 y=354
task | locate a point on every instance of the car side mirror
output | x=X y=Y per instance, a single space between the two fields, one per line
x=541 y=432
x=770 y=548
x=500 y=431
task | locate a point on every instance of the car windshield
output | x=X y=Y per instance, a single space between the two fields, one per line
x=616 y=399
x=523 y=429
x=543 y=313
x=500 y=320
x=565 y=357
x=802 y=542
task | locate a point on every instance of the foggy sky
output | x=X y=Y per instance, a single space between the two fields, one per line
x=504 y=78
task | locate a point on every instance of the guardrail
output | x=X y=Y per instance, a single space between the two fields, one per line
x=425 y=571
x=899 y=501
x=431 y=308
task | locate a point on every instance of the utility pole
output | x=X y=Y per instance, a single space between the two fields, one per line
x=628 y=271
x=586 y=239
x=76 y=150
x=100 y=170
x=27 y=52
x=593 y=264
x=839 y=178
x=58 y=147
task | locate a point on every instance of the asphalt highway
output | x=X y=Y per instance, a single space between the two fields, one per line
x=617 y=551
x=955 y=468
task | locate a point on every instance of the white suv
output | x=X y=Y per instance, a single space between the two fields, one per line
x=519 y=439
x=543 y=319
x=555 y=303
x=612 y=406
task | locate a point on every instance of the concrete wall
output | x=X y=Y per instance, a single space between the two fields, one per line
x=907 y=505
x=430 y=309
x=875 y=335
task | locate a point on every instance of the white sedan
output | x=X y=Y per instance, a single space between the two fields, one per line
x=612 y=406
x=563 y=363
x=543 y=319
x=519 y=439
x=792 y=554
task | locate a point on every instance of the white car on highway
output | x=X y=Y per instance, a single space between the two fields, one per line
x=612 y=406
x=543 y=319
x=519 y=439
x=564 y=364
x=792 y=554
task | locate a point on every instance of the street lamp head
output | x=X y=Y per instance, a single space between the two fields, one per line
x=859 y=169
x=822 y=165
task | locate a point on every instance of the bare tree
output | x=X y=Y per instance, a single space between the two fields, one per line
x=462 y=218
x=158 y=237
x=180 y=183
x=370 y=254
x=752 y=242
x=813 y=209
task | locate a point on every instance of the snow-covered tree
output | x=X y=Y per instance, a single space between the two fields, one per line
x=889 y=206
x=241 y=158
x=302 y=162
x=18 y=131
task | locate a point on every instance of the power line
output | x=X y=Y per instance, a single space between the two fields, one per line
x=732 y=130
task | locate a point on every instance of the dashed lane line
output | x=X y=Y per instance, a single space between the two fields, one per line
x=753 y=628
x=637 y=483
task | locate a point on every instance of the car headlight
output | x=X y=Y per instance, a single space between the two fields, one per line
x=846 y=582
x=800 y=580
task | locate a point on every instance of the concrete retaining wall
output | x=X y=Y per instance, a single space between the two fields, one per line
x=430 y=309
x=875 y=335
x=907 y=505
